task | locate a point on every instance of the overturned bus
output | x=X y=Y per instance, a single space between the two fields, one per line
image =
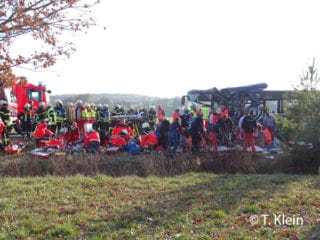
x=254 y=97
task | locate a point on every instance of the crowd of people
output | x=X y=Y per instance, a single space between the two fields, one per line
x=93 y=125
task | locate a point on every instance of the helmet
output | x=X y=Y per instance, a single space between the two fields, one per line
x=105 y=105
x=124 y=132
x=27 y=106
x=69 y=104
x=145 y=125
x=78 y=102
x=86 y=105
x=99 y=106
x=59 y=102
x=3 y=102
x=92 y=105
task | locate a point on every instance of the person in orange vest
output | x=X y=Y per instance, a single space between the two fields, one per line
x=176 y=114
x=91 y=142
x=224 y=111
x=160 y=113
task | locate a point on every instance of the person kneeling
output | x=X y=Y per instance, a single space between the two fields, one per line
x=91 y=142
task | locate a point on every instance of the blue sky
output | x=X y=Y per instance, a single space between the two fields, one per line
x=165 y=48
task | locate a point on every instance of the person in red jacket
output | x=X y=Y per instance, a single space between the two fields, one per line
x=148 y=137
x=42 y=133
x=122 y=127
x=72 y=135
x=91 y=142
x=176 y=114
x=160 y=113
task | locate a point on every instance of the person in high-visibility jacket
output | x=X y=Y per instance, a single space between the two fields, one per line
x=205 y=110
x=51 y=118
x=60 y=115
x=92 y=113
x=5 y=116
x=91 y=142
x=86 y=116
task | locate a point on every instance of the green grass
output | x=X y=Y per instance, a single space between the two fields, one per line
x=190 y=206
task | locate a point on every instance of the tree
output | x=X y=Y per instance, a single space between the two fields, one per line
x=44 y=21
x=304 y=113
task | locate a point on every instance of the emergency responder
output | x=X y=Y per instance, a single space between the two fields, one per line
x=26 y=120
x=212 y=130
x=102 y=122
x=51 y=118
x=196 y=131
x=72 y=135
x=205 y=111
x=92 y=113
x=160 y=113
x=86 y=116
x=152 y=117
x=176 y=114
x=174 y=136
x=131 y=111
x=98 y=121
x=78 y=116
x=70 y=114
x=60 y=115
x=5 y=116
x=91 y=142
x=114 y=113
x=41 y=112
x=248 y=126
x=105 y=118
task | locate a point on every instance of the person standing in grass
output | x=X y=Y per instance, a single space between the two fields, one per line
x=196 y=131
x=248 y=126
x=174 y=135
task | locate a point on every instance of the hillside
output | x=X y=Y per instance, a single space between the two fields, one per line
x=126 y=100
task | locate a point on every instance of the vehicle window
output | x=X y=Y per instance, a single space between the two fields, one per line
x=34 y=95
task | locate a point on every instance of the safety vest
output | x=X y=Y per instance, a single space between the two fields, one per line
x=85 y=113
x=60 y=114
x=5 y=116
x=205 y=112
x=51 y=117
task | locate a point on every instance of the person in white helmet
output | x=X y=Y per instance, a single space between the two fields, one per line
x=60 y=115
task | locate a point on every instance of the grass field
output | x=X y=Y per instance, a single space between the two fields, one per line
x=188 y=206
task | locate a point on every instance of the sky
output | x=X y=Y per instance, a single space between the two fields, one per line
x=166 y=48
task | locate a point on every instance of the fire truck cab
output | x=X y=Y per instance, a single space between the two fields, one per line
x=21 y=93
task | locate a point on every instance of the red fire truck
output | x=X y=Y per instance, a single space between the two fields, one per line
x=21 y=93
